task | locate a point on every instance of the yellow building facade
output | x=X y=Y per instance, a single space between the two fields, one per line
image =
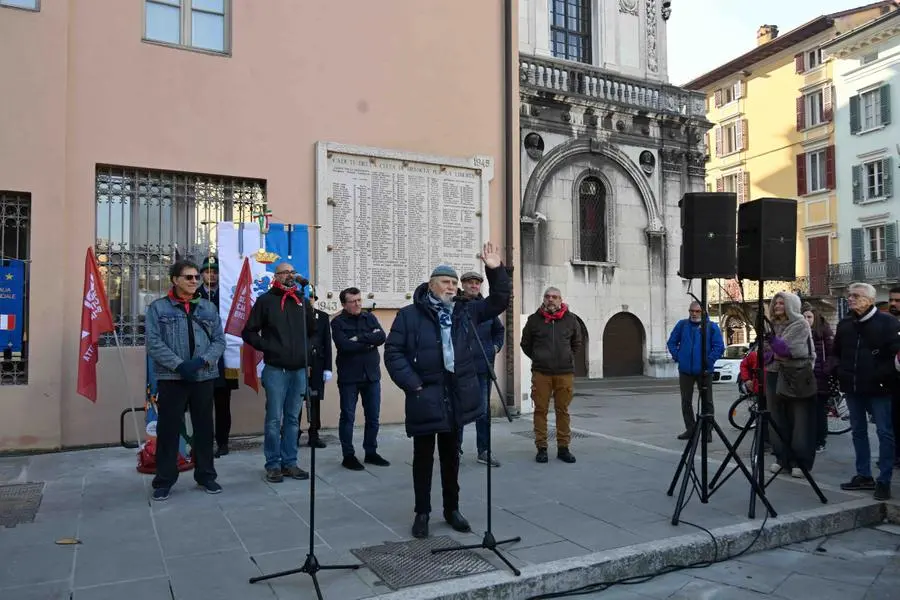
x=774 y=137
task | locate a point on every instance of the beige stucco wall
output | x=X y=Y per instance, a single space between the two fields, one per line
x=81 y=88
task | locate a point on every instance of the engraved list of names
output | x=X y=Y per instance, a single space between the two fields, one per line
x=394 y=221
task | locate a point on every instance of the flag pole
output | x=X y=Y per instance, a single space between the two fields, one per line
x=137 y=432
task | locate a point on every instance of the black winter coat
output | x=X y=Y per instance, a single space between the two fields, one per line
x=221 y=380
x=278 y=331
x=321 y=360
x=357 y=361
x=864 y=352
x=438 y=401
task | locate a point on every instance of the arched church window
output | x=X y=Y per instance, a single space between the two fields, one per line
x=570 y=29
x=592 y=226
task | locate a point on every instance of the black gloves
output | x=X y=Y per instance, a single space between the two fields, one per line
x=188 y=369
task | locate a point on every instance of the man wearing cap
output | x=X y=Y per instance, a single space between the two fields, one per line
x=357 y=335
x=429 y=355
x=319 y=373
x=209 y=290
x=490 y=334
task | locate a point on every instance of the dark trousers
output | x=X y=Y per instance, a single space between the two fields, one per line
x=172 y=398
x=687 y=383
x=371 y=403
x=316 y=395
x=821 y=418
x=423 y=466
x=797 y=422
x=895 y=418
x=222 y=400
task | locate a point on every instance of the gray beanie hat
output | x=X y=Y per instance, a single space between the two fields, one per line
x=444 y=271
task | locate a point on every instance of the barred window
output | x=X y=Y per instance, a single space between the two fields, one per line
x=570 y=29
x=592 y=233
x=145 y=218
x=15 y=245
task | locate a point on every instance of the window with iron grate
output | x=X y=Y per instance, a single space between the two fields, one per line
x=592 y=226
x=15 y=245
x=147 y=217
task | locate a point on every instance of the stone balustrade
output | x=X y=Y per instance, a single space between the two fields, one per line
x=584 y=80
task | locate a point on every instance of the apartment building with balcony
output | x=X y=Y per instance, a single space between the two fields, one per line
x=866 y=66
x=125 y=124
x=773 y=110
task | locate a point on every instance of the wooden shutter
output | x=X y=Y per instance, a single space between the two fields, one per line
x=829 y=168
x=855 y=124
x=739 y=90
x=743 y=137
x=885 y=94
x=720 y=184
x=744 y=186
x=858 y=252
x=801 y=174
x=801 y=113
x=739 y=187
x=890 y=240
x=719 y=140
x=857 y=184
x=798 y=63
x=828 y=104
x=887 y=177
x=718 y=98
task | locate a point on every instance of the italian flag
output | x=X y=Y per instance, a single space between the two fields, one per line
x=7 y=322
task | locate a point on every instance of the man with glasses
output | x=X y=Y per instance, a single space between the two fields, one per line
x=281 y=325
x=552 y=338
x=866 y=344
x=685 y=347
x=184 y=340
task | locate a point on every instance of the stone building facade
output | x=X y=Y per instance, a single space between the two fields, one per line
x=608 y=148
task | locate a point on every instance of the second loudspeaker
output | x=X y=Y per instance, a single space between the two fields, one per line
x=767 y=239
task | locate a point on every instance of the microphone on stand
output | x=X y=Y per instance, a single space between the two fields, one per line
x=301 y=280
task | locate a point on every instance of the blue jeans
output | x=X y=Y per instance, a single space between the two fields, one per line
x=371 y=402
x=284 y=395
x=880 y=408
x=482 y=422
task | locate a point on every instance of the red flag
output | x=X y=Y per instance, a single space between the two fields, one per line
x=237 y=319
x=96 y=320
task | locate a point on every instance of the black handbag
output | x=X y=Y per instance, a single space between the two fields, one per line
x=797 y=382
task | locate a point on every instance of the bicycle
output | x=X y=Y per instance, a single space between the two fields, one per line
x=837 y=413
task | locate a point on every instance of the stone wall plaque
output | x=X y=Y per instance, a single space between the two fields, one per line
x=387 y=218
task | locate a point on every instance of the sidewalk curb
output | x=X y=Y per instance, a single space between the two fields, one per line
x=650 y=557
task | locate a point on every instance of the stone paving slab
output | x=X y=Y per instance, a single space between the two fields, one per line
x=208 y=546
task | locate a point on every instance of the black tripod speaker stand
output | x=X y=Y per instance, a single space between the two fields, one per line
x=488 y=542
x=312 y=566
x=762 y=418
x=704 y=427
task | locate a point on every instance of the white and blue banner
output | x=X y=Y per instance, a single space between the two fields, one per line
x=291 y=244
x=12 y=305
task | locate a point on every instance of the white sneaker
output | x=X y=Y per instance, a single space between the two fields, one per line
x=775 y=468
x=796 y=473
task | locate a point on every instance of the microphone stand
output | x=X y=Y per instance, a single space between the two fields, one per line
x=312 y=566
x=488 y=542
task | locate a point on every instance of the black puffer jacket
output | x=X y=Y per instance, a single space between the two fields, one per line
x=864 y=351
x=552 y=345
x=277 y=330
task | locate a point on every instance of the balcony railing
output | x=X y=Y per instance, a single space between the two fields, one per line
x=727 y=290
x=591 y=82
x=885 y=273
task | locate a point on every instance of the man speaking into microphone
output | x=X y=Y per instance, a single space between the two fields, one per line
x=280 y=325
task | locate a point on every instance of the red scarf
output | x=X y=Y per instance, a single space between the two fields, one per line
x=289 y=292
x=184 y=302
x=548 y=317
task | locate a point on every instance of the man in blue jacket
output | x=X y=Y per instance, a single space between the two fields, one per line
x=357 y=335
x=490 y=334
x=685 y=347
x=430 y=355
x=184 y=340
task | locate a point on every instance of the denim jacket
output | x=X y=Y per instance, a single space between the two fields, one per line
x=166 y=336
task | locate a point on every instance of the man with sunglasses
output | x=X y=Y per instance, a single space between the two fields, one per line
x=281 y=325
x=184 y=340
x=685 y=345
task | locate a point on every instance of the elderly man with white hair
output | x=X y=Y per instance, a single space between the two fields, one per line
x=865 y=360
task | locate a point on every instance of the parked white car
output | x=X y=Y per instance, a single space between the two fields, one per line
x=728 y=368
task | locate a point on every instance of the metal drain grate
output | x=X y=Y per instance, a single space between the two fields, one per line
x=19 y=503
x=405 y=564
x=584 y=415
x=551 y=434
x=639 y=420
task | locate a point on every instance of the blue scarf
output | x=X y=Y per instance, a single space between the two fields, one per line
x=445 y=319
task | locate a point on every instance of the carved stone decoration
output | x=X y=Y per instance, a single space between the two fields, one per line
x=696 y=164
x=620 y=125
x=647 y=162
x=652 y=57
x=672 y=159
x=566 y=117
x=628 y=6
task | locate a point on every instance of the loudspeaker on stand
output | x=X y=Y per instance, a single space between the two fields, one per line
x=708 y=245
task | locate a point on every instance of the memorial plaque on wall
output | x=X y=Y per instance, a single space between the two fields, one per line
x=388 y=218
